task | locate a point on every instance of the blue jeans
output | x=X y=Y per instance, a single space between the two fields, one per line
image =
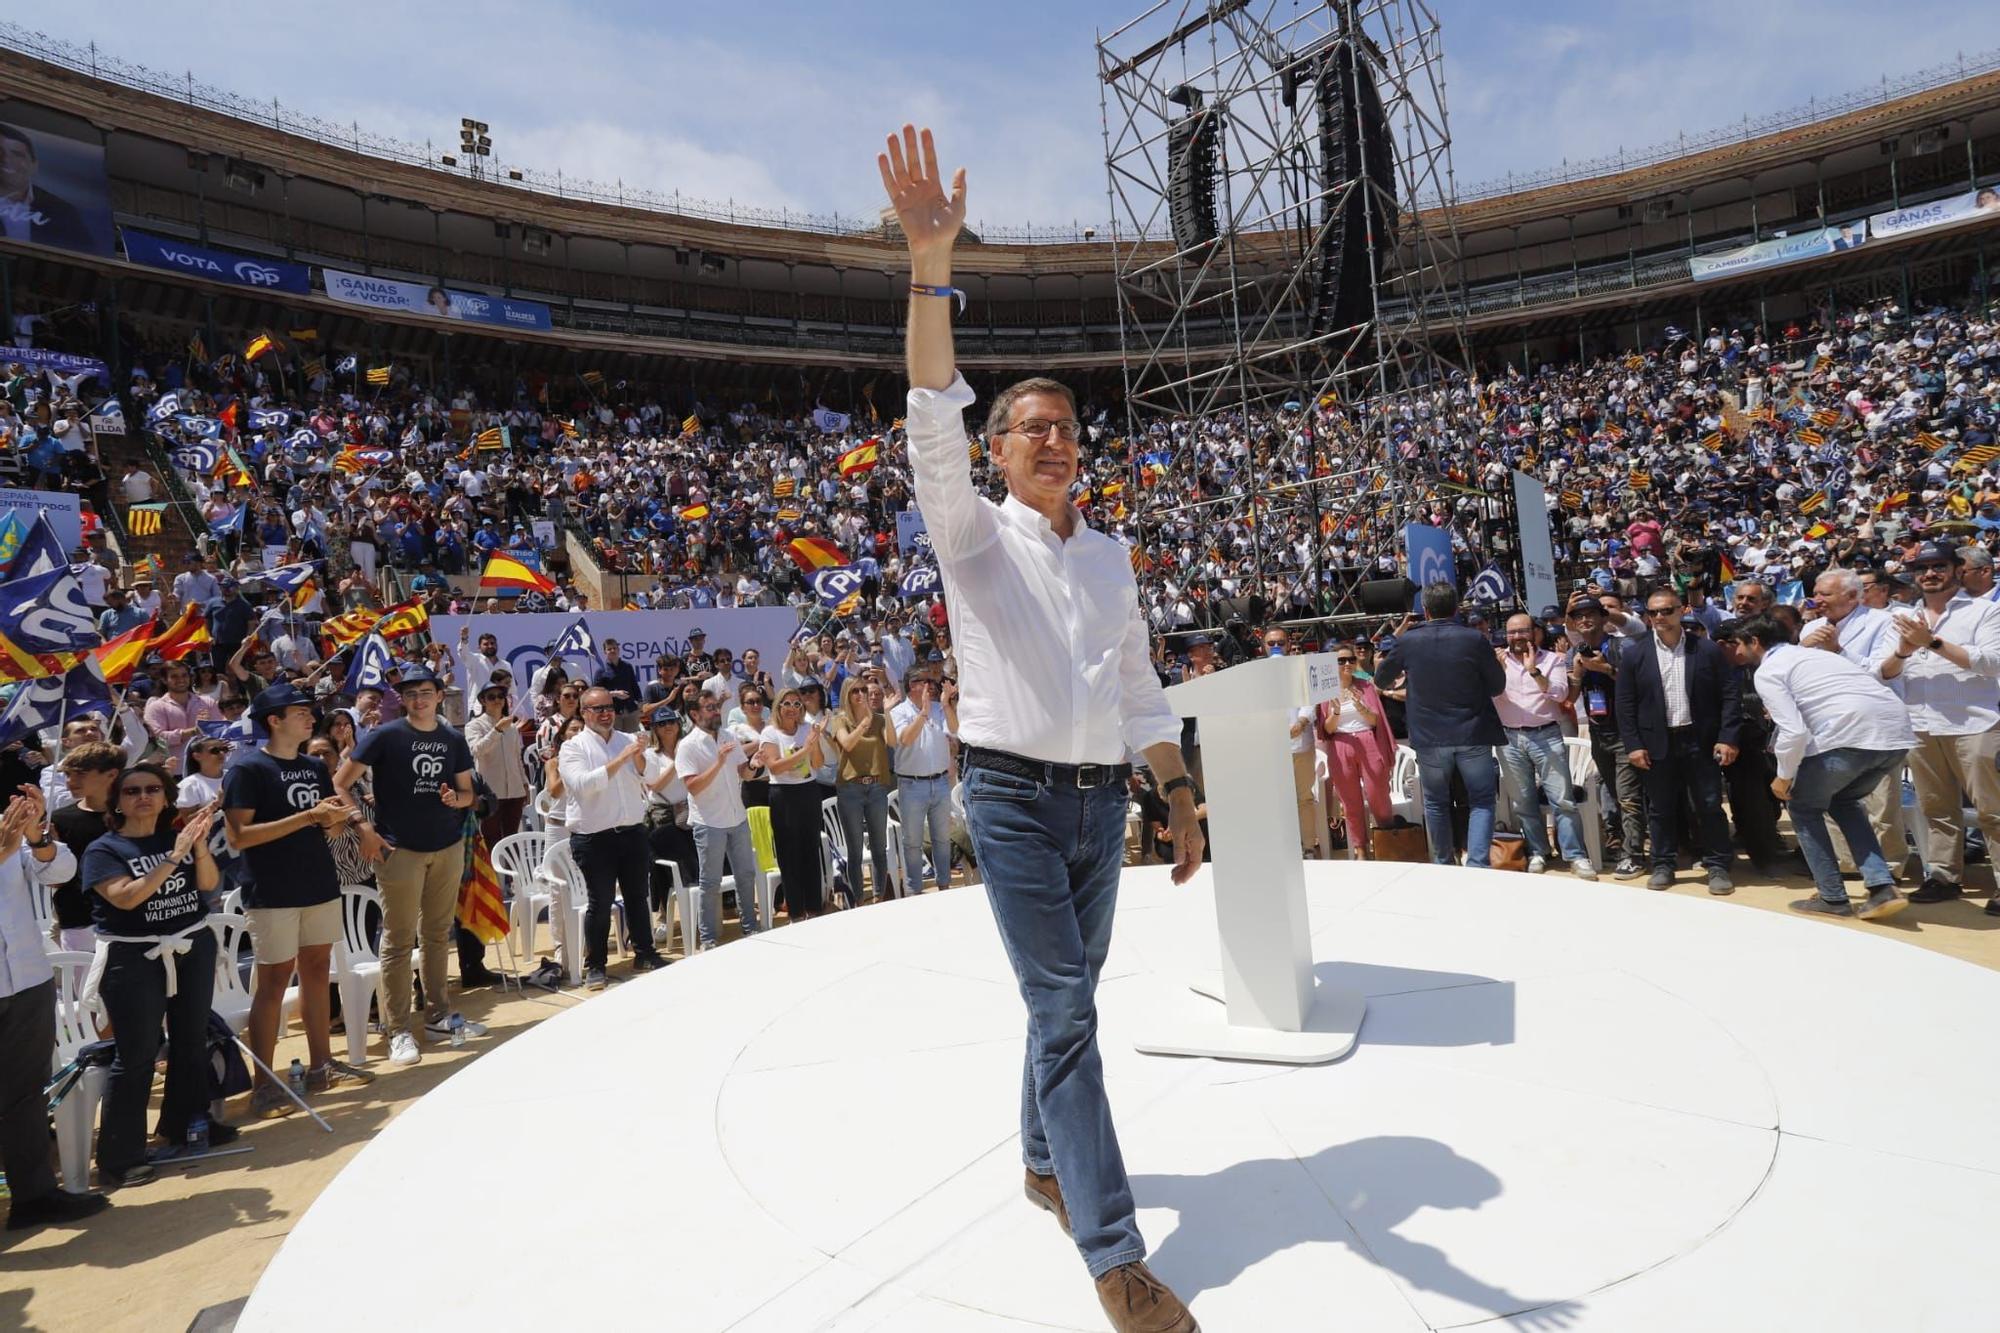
x=1838 y=782
x=1537 y=765
x=1475 y=767
x=711 y=844
x=925 y=804
x=869 y=801
x=1051 y=856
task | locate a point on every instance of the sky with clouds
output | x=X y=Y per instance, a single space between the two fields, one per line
x=782 y=103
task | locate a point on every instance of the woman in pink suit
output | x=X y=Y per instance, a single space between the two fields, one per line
x=1360 y=752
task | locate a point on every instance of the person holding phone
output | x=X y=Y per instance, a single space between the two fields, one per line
x=713 y=765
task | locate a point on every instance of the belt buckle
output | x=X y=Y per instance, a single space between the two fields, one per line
x=1095 y=771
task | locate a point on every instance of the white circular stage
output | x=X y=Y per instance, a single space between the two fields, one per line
x=1581 y=1105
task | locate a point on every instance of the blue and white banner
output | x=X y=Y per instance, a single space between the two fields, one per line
x=166 y=405
x=921 y=582
x=829 y=422
x=197 y=458
x=48 y=614
x=206 y=427
x=1428 y=550
x=1783 y=250
x=302 y=439
x=416 y=298
x=1490 y=587
x=271 y=275
x=645 y=636
x=370 y=668
x=40 y=552
x=1937 y=213
x=270 y=418
x=912 y=538
x=576 y=641
x=63 y=363
x=63 y=510
x=108 y=418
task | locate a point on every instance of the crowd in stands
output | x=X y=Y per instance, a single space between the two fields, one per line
x=1779 y=558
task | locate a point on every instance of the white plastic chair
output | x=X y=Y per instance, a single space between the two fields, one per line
x=516 y=859
x=545 y=820
x=1590 y=806
x=232 y=996
x=357 y=968
x=231 y=901
x=682 y=909
x=569 y=905
x=41 y=902
x=1406 y=796
x=834 y=839
x=76 y=1027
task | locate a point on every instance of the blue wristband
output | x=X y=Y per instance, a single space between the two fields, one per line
x=920 y=289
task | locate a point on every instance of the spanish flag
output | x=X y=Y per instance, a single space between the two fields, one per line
x=183 y=636
x=120 y=657
x=1817 y=530
x=504 y=571
x=861 y=458
x=1728 y=572
x=259 y=345
x=811 y=553
x=403 y=619
x=1896 y=501
x=693 y=513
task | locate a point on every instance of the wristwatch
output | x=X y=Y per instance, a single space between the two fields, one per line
x=1936 y=643
x=1173 y=785
x=46 y=840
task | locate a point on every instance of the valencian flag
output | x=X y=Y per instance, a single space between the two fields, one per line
x=183 y=636
x=861 y=458
x=1826 y=418
x=1572 y=500
x=493 y=437
x=1929 y=443
x=810 y=553
x=144 y=520
x=343 y=630
x=691 y=425
x=120 y=657
x=402 y=620
x=1813 y=503
x=593 y=378
x=784 y=488
x=1811 y=439
x=379 y=375
x=1712 y=441
x=790 y=514
x=1976 y=458
x=504 y=571
x=481 y=909
x=569 y=430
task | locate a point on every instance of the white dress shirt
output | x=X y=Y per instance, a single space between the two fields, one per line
x=24 y=955
x=930 y=753
x=1946 y=700
x=675 y=792
x=720 y=803
x=1863 y=634
x=1052 y=651
x=1820 y=701
x=599 y=801
x=1673 y=680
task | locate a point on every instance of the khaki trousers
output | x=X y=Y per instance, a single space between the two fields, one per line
x=419 y=900
x=1945 y=769
x=1302 y=783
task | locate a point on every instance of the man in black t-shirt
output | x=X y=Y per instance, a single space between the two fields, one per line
x=423 y=787
x=1593 y=692
x=281 y=811
x=617 y=676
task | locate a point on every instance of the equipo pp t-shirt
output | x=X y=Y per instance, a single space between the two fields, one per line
x=175 y=907
x=411 y=767
x=296 y=870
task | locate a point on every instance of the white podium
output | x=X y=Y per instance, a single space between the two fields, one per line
x=1269 y=1007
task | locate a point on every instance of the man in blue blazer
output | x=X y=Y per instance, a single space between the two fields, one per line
x=1679 y=710
x=1452 y=676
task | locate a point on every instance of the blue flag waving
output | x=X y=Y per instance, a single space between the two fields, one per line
x=575 y=641
x=197 y=458
x=48 y=614
x=40 y=552
x=1490 y=586
x=167 y=405
x=370 y=668
x=43 y=703
x=270 y=418
x=836 y=585
x=289 y=578
x=223 y=527
x=921 y=582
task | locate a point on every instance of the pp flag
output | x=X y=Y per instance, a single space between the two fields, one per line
x=1490 y=586
x=290 y=578
x=167 y=405
x=40 y=551
x=575 y=641
x=923 y=581
x=40 y=704
x=302 y=439
x=270 y=418
x=829 y=422
x=48 y=614
x=370 y=668
x=834 y=586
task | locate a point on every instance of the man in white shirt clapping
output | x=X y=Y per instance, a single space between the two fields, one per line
x=601 y=770
x=714 y=768
x=924 y=724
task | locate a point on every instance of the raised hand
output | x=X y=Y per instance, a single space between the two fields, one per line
x=194 y=833
x=910 y=174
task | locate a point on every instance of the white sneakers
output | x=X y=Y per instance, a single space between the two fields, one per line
x=1537 y=864
x=1583 y=868
x=403 y=1049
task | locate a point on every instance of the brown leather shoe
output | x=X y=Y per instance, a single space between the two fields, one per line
x=1138 y=1302
x=1044 y=1193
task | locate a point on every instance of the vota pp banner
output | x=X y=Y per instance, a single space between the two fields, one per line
x=271 y=275
x=416 y=298
x=525 y=639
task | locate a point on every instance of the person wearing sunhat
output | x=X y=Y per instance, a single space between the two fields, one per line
x=281 y=807
x=423 y=786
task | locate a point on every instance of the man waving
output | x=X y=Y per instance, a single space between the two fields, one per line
x=1057 y=689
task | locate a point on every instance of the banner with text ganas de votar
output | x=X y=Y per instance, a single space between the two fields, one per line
x=642 y=635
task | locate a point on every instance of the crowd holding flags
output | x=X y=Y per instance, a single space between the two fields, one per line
x=506 y=571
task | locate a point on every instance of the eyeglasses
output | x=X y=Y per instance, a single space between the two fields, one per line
x=1035 y=428
x=150 y=789
x=1663 y=610
x=1930 y=569
x=234 y=703
x=1343 y=661
x=599 y=708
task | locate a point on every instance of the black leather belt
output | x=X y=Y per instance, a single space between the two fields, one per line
x=1081 y=776
x=920 y=777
